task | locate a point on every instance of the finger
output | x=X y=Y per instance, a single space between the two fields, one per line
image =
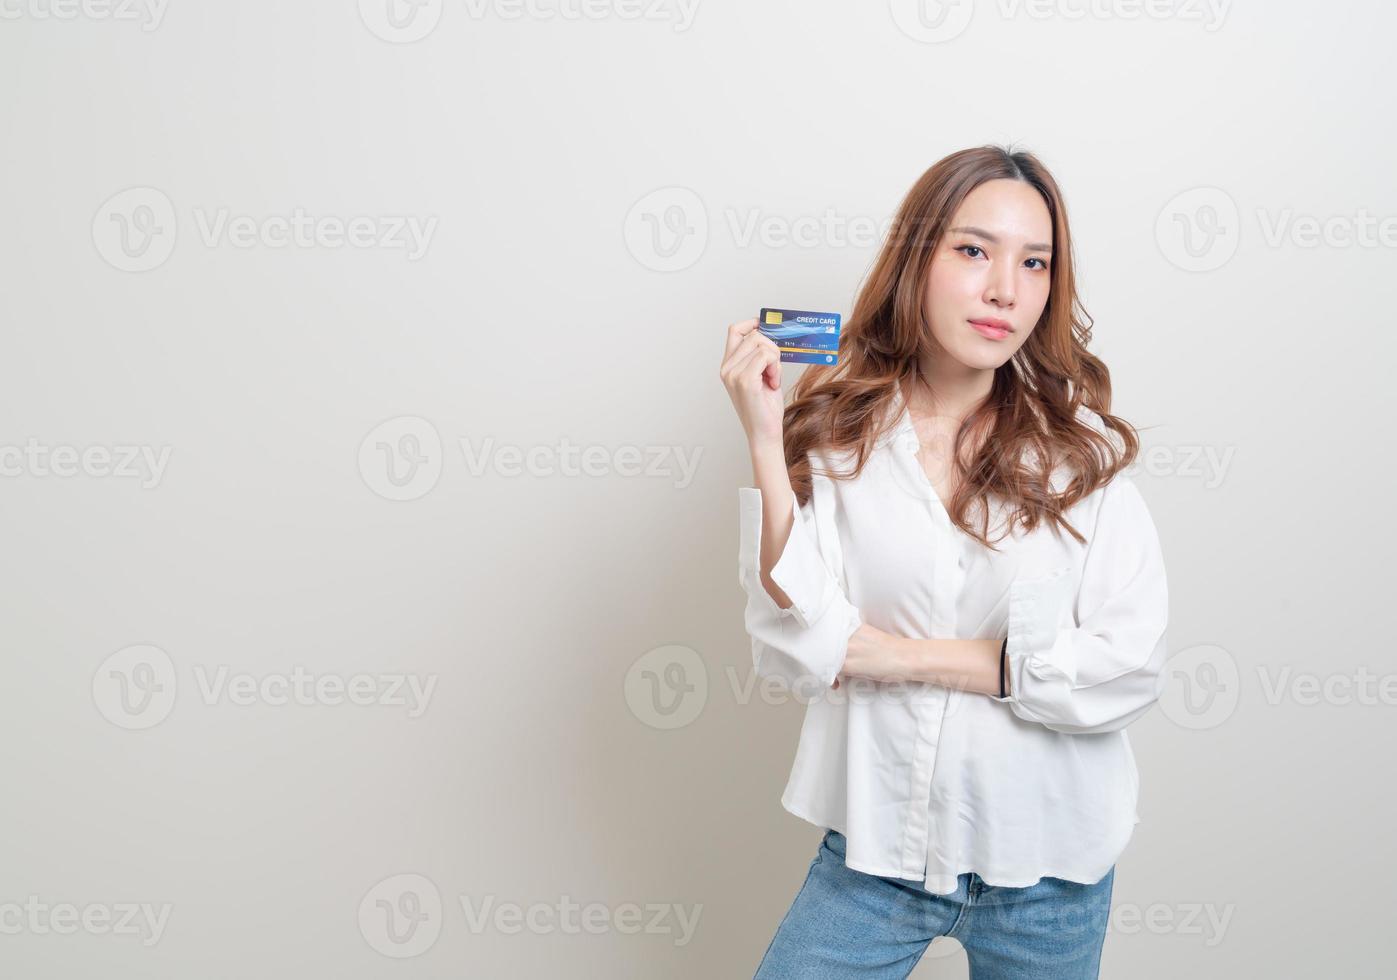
x=771 y=374
x=755 y=363
x=736 y=333
x=765 y=363
x=740 y=354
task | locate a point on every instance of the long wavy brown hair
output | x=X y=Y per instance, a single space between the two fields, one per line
x=1028 y=425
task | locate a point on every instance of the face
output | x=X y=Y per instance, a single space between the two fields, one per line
x=989 y=278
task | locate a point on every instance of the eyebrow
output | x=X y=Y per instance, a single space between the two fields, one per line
x=1030 y=247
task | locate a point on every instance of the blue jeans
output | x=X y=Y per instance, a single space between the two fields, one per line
x=846 y=923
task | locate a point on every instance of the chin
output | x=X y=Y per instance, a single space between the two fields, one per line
x=981 y=359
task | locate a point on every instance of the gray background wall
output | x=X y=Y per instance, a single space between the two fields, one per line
x=370 y=602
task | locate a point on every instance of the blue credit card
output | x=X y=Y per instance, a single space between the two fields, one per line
x=802 y=336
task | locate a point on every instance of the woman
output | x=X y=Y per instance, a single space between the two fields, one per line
x=973 y=627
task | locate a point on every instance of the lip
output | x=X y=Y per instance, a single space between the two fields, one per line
x=992 y=327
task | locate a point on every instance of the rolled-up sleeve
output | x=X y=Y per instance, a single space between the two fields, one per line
x=1102 y=667
x=803 y=645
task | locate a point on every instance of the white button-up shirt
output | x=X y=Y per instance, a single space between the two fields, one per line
x=928 y=782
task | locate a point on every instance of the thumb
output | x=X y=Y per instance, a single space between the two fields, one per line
x=771 y=375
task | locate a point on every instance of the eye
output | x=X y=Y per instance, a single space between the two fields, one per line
x=968 y=249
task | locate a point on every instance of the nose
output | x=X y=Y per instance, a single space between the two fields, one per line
x=999 y=290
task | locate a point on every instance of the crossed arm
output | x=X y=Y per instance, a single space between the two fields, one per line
x=969 y=665
x=1092 y=670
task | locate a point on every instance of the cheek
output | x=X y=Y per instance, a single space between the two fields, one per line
x=950 y=279
x=1036 y=295
x=1035 y=300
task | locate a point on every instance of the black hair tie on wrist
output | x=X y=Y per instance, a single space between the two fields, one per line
x=1003 y=649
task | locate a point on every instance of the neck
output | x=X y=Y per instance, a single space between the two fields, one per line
x=944 y=386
